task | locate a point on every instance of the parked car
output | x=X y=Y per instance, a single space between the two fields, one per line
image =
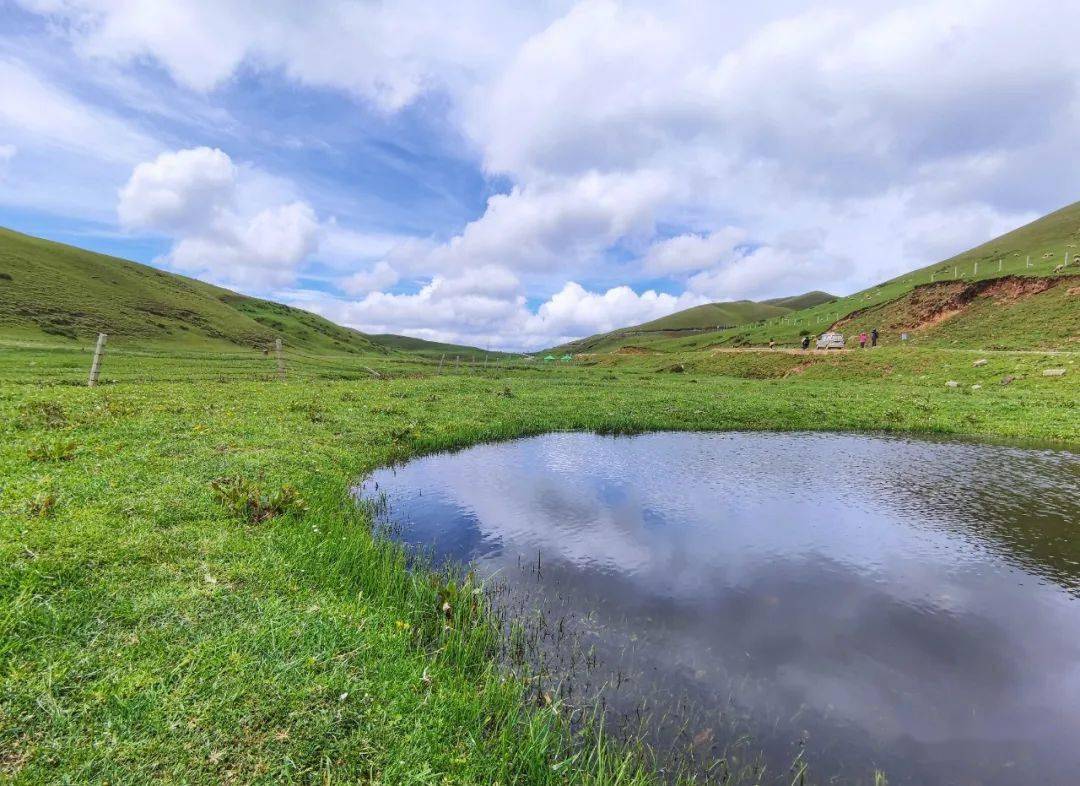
x=830 y=341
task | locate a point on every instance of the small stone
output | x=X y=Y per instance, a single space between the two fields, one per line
x=1054 y=372
x=1007 y=379
x=976 y=387
x=980 y=362
x=952 y=383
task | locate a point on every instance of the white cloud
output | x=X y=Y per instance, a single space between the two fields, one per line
x=387 y=53
x=766 y=272
x=36 y=111
x=487 y=306
x=558 y=223
x=574 y=311
x=693 y=252
x=179 y=192
x=344 y=248
x=197 y=196
x=379 y=277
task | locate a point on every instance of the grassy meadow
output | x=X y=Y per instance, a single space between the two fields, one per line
x=189 y=594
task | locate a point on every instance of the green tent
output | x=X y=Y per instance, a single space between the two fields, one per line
x=567 y=358
x=548 y=358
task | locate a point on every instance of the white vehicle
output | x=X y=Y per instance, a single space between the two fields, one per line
x=830 y=341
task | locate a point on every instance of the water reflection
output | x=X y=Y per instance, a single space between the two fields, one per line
x=895 y=603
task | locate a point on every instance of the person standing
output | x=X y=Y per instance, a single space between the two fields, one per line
x=862 y=340
x=873 y=338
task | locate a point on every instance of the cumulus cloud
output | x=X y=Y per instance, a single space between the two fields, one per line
x=194 y=196
x=574 y=311
x=788 y=122
x=379 y=277
x=179 y=192
x=487 y=306
x=559 y=223
x=693 y=252
x=386 y=53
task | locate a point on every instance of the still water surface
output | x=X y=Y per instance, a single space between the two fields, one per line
x=872 y=602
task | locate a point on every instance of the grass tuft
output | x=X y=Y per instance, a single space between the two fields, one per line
x=250 y=502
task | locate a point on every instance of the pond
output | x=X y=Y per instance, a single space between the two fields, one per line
x=857 y=602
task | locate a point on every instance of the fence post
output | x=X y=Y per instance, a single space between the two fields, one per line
x=441 y=358
x=976 y=269
x=956 y=271
x=457 y=362
x=95 y=366
x=999 y=266
x=280 y=359
x=1029 y=261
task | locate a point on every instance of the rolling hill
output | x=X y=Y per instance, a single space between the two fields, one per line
x=1013 y=292
x=51 y=290
x=707 y=317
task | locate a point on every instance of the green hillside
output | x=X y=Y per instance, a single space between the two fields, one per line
x=955 y=302
x=433 y=349
x=51 y=290
x=707 y=317
x=807 y=300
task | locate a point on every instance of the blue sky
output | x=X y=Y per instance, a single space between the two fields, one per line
x=512 y=176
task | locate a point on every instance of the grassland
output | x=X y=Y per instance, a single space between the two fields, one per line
x=188 y=593
x=704 y=318
x=149 y=631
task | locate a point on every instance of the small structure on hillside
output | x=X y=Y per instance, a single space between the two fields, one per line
x=549 y=358
x=566 y=358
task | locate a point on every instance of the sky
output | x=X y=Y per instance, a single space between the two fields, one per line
x=512 y=175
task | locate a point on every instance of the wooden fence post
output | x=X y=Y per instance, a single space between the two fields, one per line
x=95 y=366
x=280 y=359
x=442 y=357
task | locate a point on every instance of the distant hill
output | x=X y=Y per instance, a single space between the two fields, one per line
x=1013 y=292
x=796 y=302
x=710 y=316
x=49 y=289
x=430 y=348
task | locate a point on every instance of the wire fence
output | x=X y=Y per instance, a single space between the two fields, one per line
x=52 y=364
x=990 y=266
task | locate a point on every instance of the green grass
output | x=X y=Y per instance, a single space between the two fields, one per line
x=993 y=317
x=699 y=318
x=189 y=594
x=153 y=628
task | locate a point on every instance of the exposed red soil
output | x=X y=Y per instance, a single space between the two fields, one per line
x=632 y=350
x=931 y=304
